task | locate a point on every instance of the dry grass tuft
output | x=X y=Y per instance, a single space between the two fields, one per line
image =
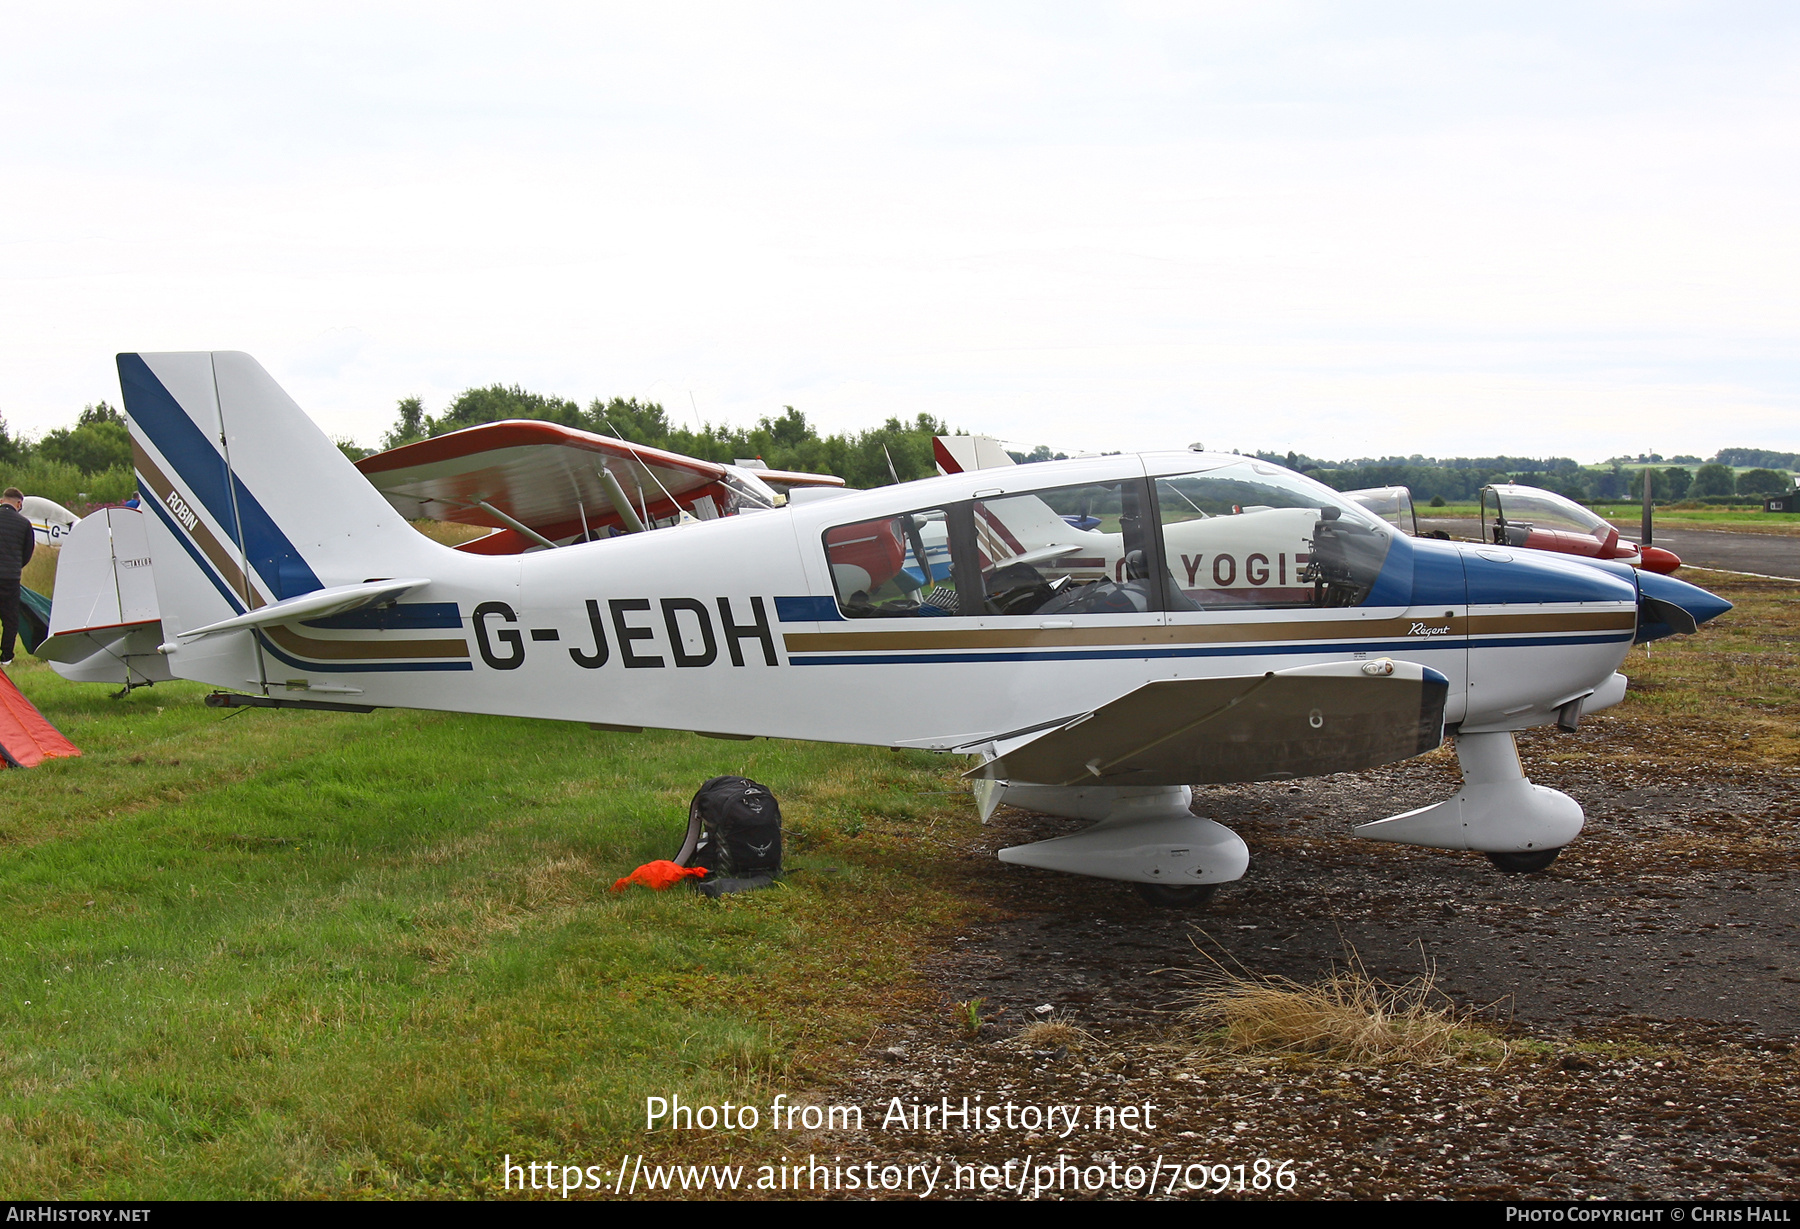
x=1053 y=1034
x=1350 y=1015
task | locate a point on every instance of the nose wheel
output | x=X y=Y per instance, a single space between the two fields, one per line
x=1524 y=863
x=1176 y=895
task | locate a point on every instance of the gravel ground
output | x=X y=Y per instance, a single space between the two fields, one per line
x=1643 y=990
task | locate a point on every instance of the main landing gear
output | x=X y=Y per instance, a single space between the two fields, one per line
x=1521 y=827
x=1147 y=836
x=1523 y=863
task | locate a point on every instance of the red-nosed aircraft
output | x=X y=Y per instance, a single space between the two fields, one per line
x=1537 y=519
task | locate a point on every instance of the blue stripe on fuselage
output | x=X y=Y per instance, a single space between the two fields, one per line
x=807 y=610
x=334 y=667
x=398 y=617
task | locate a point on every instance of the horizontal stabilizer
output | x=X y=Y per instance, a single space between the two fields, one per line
x=1307 y=721
x=319 y=604
x=77 y=646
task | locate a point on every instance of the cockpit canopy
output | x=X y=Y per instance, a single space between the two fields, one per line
x=1511 y=512
x=1227 y=534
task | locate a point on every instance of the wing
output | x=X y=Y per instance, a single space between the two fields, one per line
x=1311 y=720
x=785 y=480
x=554 y=482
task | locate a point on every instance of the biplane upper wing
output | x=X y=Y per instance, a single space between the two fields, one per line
x=785 y=480
x=554 y=482
x=1306 y=721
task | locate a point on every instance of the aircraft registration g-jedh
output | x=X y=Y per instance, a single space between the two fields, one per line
x=1102 y=633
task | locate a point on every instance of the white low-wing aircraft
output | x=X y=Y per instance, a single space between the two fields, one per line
x=50 y=521
x=1154 y=622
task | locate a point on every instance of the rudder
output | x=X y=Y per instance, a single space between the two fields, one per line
x=251 y=504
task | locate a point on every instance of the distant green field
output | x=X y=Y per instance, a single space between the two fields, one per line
x=278 y=954
x=1750 y=521
x=1627 y=517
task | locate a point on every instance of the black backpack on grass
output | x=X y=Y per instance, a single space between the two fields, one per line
x=734 y=831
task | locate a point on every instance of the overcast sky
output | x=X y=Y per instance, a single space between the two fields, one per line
x=1345 y=229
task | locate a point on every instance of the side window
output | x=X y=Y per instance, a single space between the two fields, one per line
x=1237 y=537
x=1078 y=550
x=894 y=567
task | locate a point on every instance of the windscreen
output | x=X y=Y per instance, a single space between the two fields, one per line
x=1255 y=535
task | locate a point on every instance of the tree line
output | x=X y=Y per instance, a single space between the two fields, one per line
x=1460 y=479
x=875 y=457
x=89 y=463
x=86 y=464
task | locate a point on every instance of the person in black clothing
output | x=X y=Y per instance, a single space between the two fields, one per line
x=16 y=544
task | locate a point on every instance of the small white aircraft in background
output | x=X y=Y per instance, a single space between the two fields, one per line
x=50 y=521
x=1155 y=622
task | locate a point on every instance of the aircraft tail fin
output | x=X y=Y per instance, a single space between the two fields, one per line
x=958 y=454
x=249 y=503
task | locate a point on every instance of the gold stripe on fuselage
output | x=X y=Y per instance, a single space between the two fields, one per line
x=1217 y=633
x=362 y=650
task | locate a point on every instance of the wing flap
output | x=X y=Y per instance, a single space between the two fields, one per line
x=1307 y=721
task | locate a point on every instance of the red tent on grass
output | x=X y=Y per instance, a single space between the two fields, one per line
x=26 y=739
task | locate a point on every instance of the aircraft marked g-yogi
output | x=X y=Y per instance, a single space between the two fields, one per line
x=1103 y=633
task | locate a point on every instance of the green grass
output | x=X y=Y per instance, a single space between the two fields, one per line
x=1630 y=516
x=1627 y=516
x=1730 y=693
x=312 y=954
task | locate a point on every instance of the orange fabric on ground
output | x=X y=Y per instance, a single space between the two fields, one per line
x=659 y=875
x=26 y=736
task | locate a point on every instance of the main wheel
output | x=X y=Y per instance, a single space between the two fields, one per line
x=1524 y=863
x=1176 y=895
